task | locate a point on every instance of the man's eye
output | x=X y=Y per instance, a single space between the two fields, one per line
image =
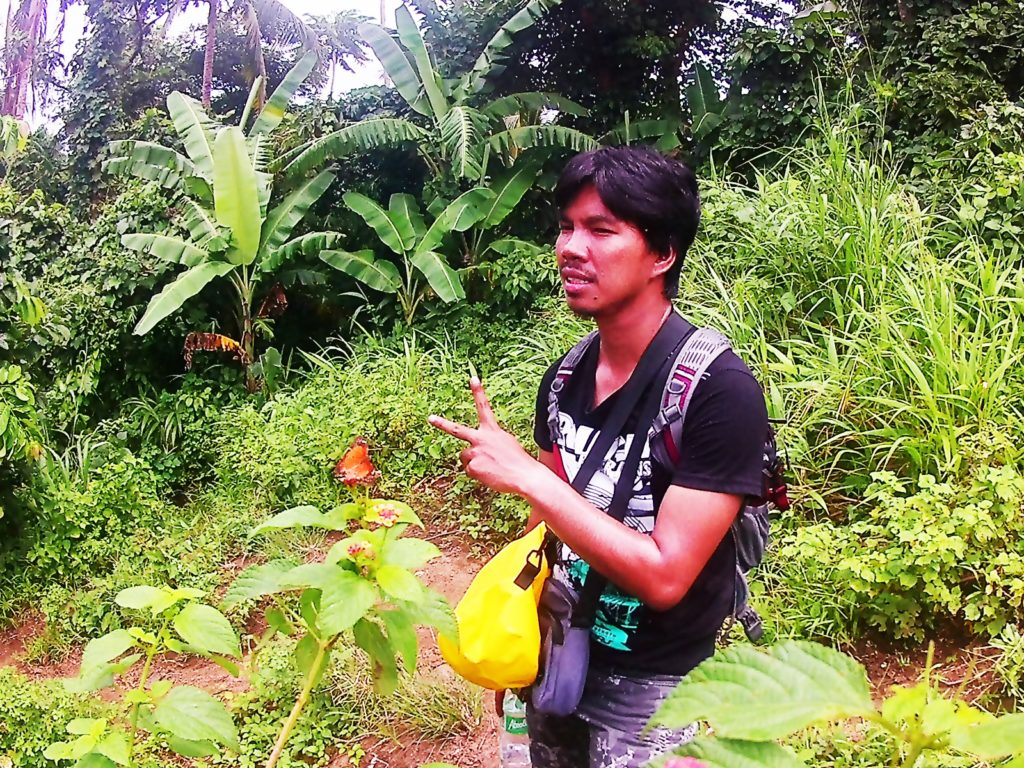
x=564 y=227
x=603 y=231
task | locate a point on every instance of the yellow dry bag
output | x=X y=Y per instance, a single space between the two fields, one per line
x=499 y=637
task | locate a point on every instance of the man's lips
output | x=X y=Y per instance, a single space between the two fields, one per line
x=574 y=279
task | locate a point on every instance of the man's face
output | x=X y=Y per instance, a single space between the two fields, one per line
x=604 y=262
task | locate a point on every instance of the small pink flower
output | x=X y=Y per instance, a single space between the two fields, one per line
x=359 y=549
x=684 y=762
x=387 y=514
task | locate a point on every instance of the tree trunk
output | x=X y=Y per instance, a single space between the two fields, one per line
x=211 y=44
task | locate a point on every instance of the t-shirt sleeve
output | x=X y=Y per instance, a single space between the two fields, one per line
x=724 y=435
x=541 y=434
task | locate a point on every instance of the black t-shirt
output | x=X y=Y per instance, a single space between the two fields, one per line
x=722 y=450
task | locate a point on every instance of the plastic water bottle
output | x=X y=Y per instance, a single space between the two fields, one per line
x=514 y=743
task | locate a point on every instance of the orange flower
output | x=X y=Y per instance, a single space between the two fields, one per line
x=355 y=467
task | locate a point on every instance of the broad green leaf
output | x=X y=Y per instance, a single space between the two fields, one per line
x=458 y=216
x=361 y=136
x=202 y=226
x=409 y=553
x=344 y=600
x=434 y=610
x=176 y=293
x=188 y=748
x=727 y=753
x=226 y=664
x=533 y=101
x=309 y=575
x=279 y=622
x=762 y=696
x=508 y=192
x=95 y=760
x=399 y=583
x=473 y=82
x=107 y=648
x=114 y=746
x=665 y=132
x=442 y=278
x=208 y=629
x=99 y=675
x=376 y=217
x=404 y=212
x=236 y=195
x=138 y=597
x=148 y=161
x=430 y=78
x=378 y=274
x=382 y=658
x=277 y=105
x=172 y=249
x=401 y=637
x=307 y=654
x=310 y=244
x=290 y=211
x=511 y=142
x=296 y=517
x=83 y=725
x=460 y=131
x=196 y=130
x=257 y=581
x=397 y=65
x=195 y=715
x=704 y=101
x=993 y=739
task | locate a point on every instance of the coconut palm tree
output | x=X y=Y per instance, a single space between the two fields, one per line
x=23 y=54
x=261 y=19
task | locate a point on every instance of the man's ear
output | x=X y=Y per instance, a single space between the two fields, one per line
x=664 y=261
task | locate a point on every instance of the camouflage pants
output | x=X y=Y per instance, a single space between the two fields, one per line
x=607 y=730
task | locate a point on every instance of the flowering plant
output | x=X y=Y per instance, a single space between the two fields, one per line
x=364 y=587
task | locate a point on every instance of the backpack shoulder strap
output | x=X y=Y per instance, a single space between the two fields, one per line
x=565 y=369
x=700 y=350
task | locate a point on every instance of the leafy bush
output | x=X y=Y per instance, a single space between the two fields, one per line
x=32 y=715
x=919 y=554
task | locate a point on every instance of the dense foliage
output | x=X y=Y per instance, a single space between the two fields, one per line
x=862 y=168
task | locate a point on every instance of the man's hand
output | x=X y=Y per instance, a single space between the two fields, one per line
x=493 y=457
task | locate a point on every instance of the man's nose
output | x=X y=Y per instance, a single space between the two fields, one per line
x=570 y=245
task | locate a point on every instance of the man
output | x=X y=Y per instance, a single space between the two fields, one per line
x=628 y=216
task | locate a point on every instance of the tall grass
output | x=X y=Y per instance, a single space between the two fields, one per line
x=881 y=335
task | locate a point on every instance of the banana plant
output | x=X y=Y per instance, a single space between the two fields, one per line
x=224 y=192
x=460 y=135
x=404 y=232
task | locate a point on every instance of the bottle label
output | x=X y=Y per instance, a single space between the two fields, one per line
x=515 y=726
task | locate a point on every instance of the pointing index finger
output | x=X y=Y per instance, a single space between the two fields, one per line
x=483 y=404
x=453 y=428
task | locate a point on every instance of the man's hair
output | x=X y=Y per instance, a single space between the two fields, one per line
x=644 y=188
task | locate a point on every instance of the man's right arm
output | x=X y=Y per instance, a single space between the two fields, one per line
x=547 y=458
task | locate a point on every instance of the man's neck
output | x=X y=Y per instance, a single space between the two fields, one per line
x=626 y=335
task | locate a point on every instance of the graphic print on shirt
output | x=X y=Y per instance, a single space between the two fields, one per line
x=618 y=614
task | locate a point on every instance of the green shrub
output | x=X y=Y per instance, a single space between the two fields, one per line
x=32 y=715
x=916 y=555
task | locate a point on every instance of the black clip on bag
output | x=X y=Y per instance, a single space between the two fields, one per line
x=566 y=616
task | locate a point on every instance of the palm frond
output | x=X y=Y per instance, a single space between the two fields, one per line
x=368 y=134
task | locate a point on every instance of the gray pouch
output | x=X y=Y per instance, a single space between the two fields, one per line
x=564 y=652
